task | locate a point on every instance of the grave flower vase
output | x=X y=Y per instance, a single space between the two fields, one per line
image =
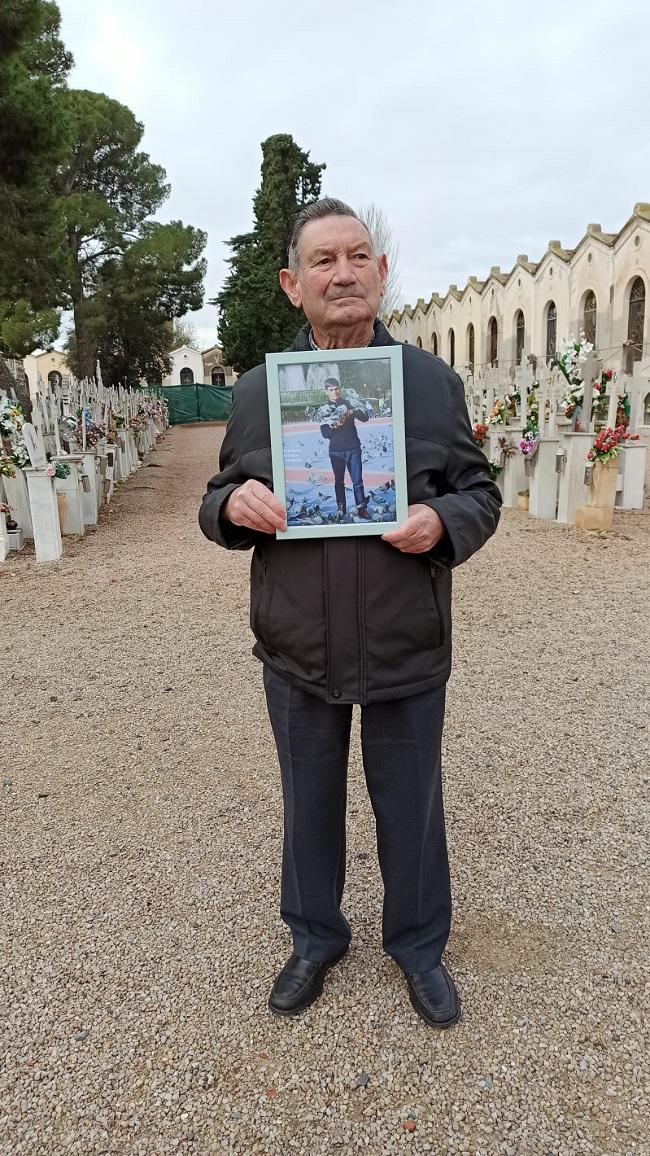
x=68 y=497
x=604 y=483
x=599 y=514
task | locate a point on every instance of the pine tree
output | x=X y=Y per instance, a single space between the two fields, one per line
x=255 y=315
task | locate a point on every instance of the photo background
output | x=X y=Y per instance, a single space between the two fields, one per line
x=308 y=474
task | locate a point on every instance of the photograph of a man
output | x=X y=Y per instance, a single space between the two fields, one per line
x=337 y=417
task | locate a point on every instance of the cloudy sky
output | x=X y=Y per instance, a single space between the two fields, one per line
x=483 y=131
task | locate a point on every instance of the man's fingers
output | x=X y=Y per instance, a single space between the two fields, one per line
x=271 y=511
x=263 y=515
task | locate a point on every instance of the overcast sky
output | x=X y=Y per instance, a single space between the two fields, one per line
x=483 y=131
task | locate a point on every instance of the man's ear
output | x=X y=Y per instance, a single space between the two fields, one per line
x=291 y=285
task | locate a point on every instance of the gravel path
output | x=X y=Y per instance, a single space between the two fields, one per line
x=140 y=849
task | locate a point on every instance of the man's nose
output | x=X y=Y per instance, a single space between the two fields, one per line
x=344 y=271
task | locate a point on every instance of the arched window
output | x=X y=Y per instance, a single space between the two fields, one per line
x=646 y=409
x=218 y=375
x=551 y=331
x=434 y=343
x=187 y=377
x=635 y=323
x=470 y=346
x=493 y=341
x=54 y=377
x=452 y=348
x=520 y=331
x=418 y=342
x=589 y=317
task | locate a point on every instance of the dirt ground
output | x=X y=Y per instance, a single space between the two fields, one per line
x=140 y=853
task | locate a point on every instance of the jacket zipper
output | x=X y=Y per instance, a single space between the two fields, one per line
x=361 y=616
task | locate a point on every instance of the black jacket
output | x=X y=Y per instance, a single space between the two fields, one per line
x=353 y=619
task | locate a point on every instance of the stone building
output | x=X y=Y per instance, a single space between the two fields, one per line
x=48 y=366
x=601 y=286
x=192 y=367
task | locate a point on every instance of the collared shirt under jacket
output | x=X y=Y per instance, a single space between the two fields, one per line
x=354 y=619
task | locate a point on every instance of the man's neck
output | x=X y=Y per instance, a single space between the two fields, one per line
x=357 y=338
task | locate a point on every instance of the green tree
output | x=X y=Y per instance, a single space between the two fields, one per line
x=128 y=318
x=108 y=189
x=33 y=132
x=255 y=315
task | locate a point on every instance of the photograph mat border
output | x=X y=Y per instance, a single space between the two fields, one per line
x=390 y=353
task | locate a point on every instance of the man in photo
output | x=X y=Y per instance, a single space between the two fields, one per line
x=337 y=419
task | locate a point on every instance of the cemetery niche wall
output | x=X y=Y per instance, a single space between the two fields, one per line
x=59 y=469
x=537 y=397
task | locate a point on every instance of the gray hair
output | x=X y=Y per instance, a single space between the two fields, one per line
x=315 y=211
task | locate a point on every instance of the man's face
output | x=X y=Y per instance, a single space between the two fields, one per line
x=339 y=282
x=334 y=393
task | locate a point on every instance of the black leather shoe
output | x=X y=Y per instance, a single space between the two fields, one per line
x=299 y=984
x=434 y=996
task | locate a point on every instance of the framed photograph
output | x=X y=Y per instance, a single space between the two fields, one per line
x=337 y=440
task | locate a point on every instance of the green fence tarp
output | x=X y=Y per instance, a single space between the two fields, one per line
x=197 y=402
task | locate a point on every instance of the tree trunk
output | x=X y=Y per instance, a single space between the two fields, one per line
x=85 y=350
x=85 y=353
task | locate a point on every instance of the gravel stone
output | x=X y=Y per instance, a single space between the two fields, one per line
x=143 y=899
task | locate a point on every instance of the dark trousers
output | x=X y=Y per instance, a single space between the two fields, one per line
x=401 y=758
x=350 y=459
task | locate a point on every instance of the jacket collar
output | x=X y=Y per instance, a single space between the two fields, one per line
x=381 y=337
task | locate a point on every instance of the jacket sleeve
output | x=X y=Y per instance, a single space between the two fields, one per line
x=470 y=506
x=234 y=467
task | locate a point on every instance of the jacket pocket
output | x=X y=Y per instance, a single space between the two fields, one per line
x=437 y=617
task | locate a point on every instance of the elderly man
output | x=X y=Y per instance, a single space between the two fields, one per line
x=337 y=419
x=362 y=620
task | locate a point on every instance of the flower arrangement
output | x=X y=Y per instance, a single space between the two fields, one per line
x=7 y=466
x=599 y=403
x=19 y=454
x=138 y=423
x=4 y=508
x=11 y=417
x=479 y=433
x=95 y=431
x=529 y=442
x=570 y=363
x=623 y=410
x=498 y=413
x=608 y=443
x=57 y=470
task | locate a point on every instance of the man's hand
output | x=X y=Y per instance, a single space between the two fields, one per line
x=253 y=505
x=419 y=533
